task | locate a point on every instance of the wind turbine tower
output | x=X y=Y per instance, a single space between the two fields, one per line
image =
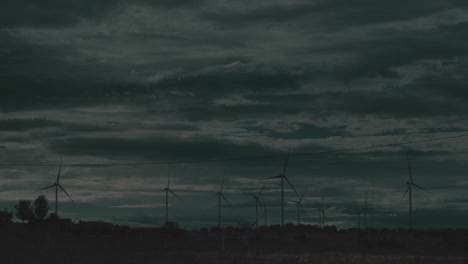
x=321 y=215
x=257 y=203
x=168 y=190
x=299 y=208
x=365 y=210
x=220 y=195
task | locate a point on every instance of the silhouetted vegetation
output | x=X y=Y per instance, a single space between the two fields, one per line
x=41 y=207
x=53 y=216
x=5 y=217
x=101 y=242
x=24 y=210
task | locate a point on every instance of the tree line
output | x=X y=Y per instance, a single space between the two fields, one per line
x=27 y=210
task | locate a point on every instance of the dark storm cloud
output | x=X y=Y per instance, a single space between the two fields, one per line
x=352 y=102
x=25 y=124
x=304 y=131
x=161 y=148
x=55 y=13
x=330 y=14
x=37 y=76
x=50 y=12
x=235 y=80
x=23 y=58
x=442 y=86
x=177 y=127
x=379 y=56
x=39 y=123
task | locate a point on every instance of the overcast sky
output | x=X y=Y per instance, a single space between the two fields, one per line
x=152 y=81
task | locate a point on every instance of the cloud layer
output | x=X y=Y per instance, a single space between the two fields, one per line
x=138 y=81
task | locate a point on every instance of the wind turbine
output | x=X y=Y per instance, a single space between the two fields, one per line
x=390 y=215
x=220 y=195
x=168 y=190
x=365 y=210
x=265 y=210
x=410 y=184
x=358 y=213
x=321 y=214
x=283 y=177
x=299 y=208
x=57 y=185
x=257 y=203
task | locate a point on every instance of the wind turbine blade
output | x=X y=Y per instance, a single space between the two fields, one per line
x=293 y=201
x=260 y=203
x=175 y=194
x=222 y=185
x=66 y=193
x=260 y=193
x=290 y=184
x=302 y=196
x=222 y=195
x=302 y=208
x=253 y=196
x=60 y=169
x=417 y=186
x=168 y=176
x=286 y=162
x=274 y=177
x=404 y=194
x=409 y=167
x=53 y=185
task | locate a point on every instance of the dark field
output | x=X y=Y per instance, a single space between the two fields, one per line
x=26 y=245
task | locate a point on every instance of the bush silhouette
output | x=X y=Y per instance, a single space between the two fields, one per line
x=53 y=217
x=5 y=217
x=41 y=207
x=24 y=211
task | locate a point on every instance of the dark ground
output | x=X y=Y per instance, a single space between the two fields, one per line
x=23 y=245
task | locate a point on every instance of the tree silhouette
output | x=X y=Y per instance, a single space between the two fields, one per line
x=5 y=217
x=24 y=210
x=41 y=207
x=53 y=217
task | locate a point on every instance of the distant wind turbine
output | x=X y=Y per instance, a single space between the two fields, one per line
x=390 y=215
x=220 y=195
x=283 y=177
x=410 y=184
x=265 y=210
x=358 y=213
x=322 y=214
x=299 y=208
x=365 y=210
x=257 y=203
x=168 y=190
x=57 y=185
